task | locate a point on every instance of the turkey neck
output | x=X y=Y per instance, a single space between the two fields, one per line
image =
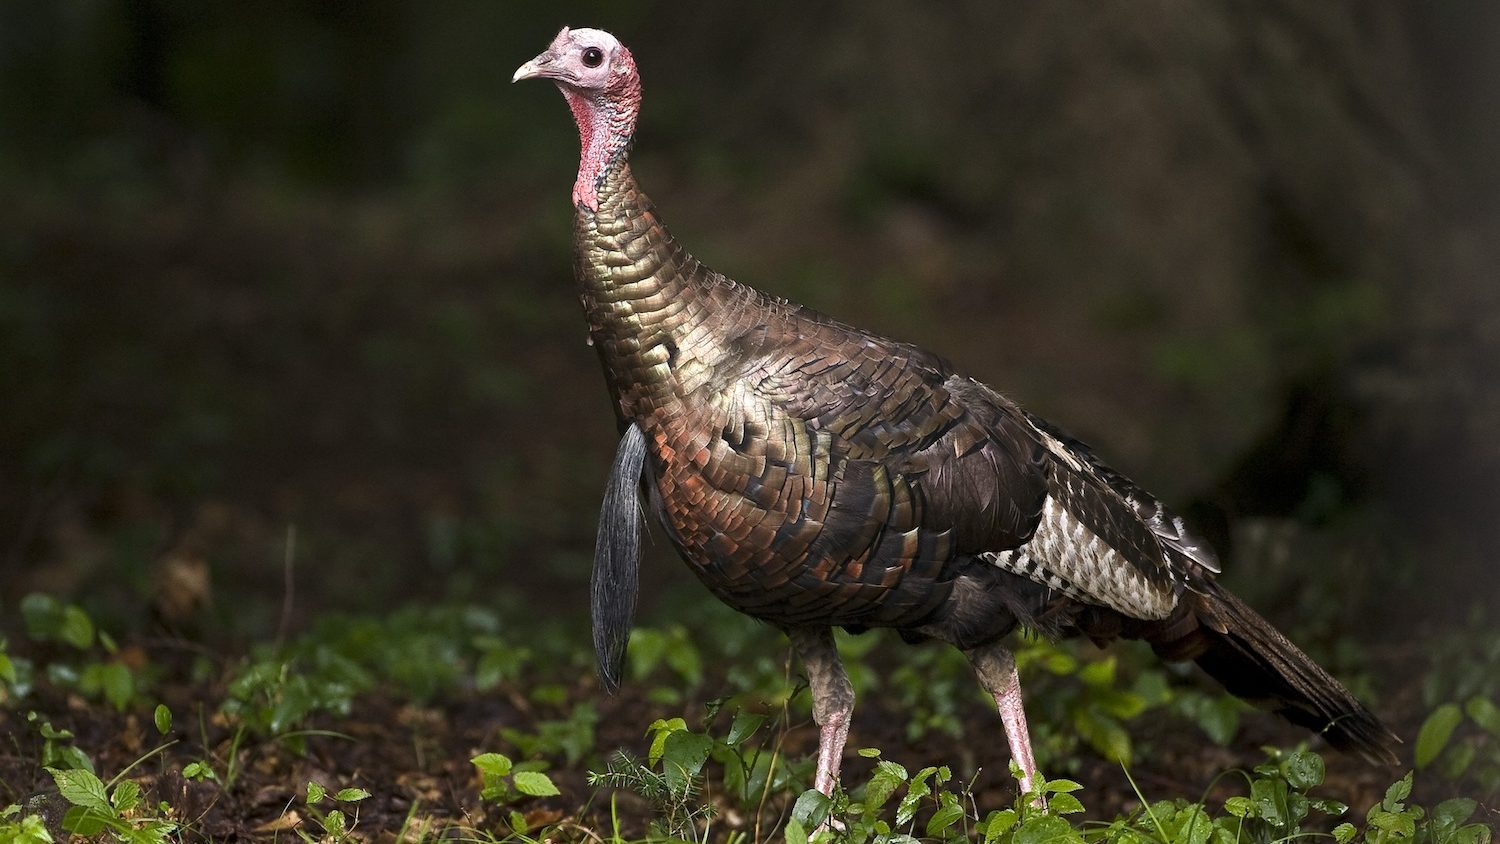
x=650 y=305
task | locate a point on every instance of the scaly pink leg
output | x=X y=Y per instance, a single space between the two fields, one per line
x=831 y=737
x=833 y=699
x=996 y=668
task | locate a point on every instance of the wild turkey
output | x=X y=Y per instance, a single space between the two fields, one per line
x=815 y=475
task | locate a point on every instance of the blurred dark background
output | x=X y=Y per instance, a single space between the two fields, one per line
x=292 y=281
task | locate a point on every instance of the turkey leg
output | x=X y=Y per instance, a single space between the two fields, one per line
x=833 y=699
x=996 y=668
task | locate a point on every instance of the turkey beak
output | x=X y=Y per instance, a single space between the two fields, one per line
x=534 y=68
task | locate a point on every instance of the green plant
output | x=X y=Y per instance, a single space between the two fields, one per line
x=751 y=770
x=1279 y=806
x=58 y=750
x=115 y=807
x=676 y=770
x=572 y=737
x=335 y=825
x=15 y=675
x=420 y=652
x=271 y=696
x=49 y=620
x=672 y=646
x=929 y=684
x=678 y=810
x=1463 y=740
x=23 y=829
x=1461 y=734
x=894 y=807
x=1278 y=798
x=670 y=778
x=507 y=783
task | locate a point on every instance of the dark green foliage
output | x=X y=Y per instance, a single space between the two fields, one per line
x=508 y=783
x=1461 y=735
x=96 y=809
x=420 y=652
x=93 y=666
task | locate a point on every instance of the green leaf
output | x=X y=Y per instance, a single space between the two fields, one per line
x=1104 y=734
x=118 y=684
x=43 y=615
x=1240 y=807
x=315 y=793
x=152 y=830
x=494 y=764
x=535 y=784
x=1151 y=686
x=7 y=668
x=997 y=823
x=1219 y=717
x=86 y=822
x=870 y=752
x=1399 y=791
x=1057 y=661
x=1297 y=805
x=1119 y=703
x=659 y=730
x=946 y=816
x=1270 y=797
x=882 y=785
x=518 y=822
x=351 y=795
x=1045 y=829
x=1458 y=759
x=683 y=755
x=812 y=808
x=1098 y=673
x=646 y=648
x=70 y=757
x=892 y=770
x=81 y=788
x=163 y=718
x=907 y=808
x=334 y=825
x=1485 y=714
x=1327 y=806
x=1452 y=813
x=31 y=830
x=1473 y=833
x=1435 y=732
x=550 y=694
x=682 y=656
x=1064 y=804
x=1399 y=824
x=1303 y=770
x=77 y=628
x=745 y=724
x=1061 y=787
x=794 y=833
x=127 y=796
x=1344 y=833
x=1193 y=826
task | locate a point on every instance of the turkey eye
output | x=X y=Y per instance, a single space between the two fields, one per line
x=593 y=56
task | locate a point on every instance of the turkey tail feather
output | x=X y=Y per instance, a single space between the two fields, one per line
x=1254 y=661
x=617 y=558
